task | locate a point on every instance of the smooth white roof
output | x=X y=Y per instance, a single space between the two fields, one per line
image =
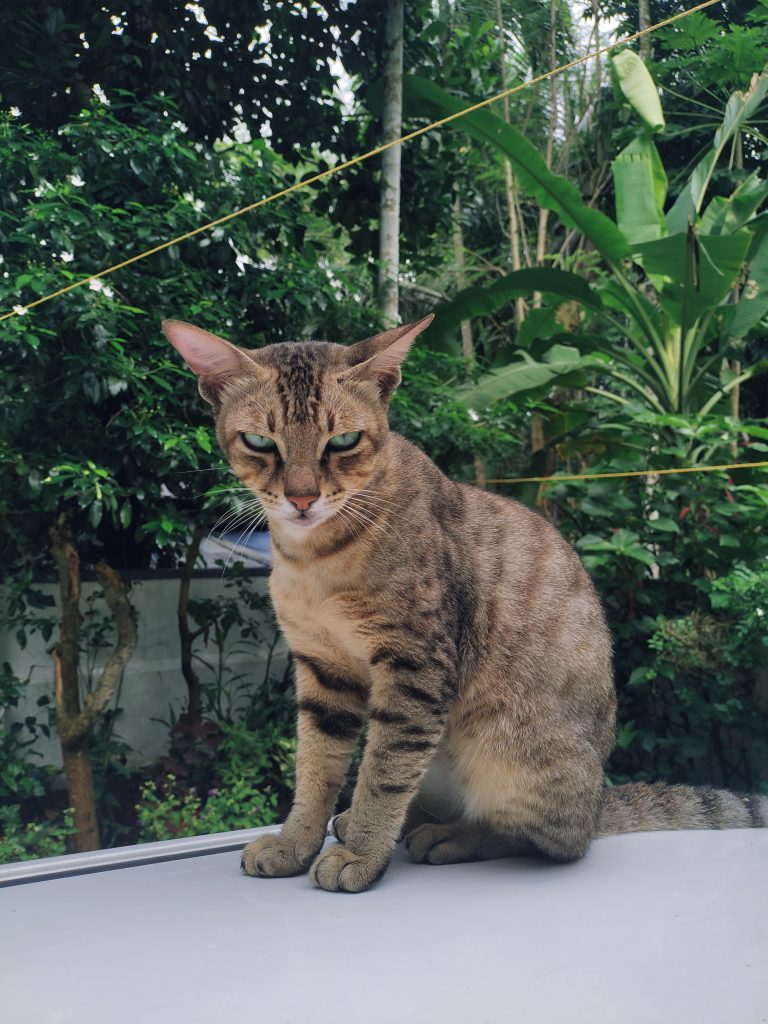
x=659 y=927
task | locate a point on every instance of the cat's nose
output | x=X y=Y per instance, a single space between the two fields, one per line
x=302 y=501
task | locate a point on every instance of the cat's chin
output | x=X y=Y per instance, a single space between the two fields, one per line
x=299 y=527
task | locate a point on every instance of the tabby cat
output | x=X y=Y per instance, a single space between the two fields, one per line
x=458 y=624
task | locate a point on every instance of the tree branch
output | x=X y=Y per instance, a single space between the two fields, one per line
x=116 y=595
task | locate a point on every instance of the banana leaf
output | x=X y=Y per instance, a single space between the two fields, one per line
x=753 y=303
x=482 y=301
x=558 y=365
x=552 y=191
x=724 y=215
x=634 y=80
x=738 y=111
x=695 y=272
x=641 y=188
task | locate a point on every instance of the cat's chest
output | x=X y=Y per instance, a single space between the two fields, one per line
x=318 y=619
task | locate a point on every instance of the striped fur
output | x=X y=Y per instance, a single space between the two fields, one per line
x=457 y=624
x=643 y=807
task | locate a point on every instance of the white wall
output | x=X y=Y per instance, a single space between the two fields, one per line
x=153 y=681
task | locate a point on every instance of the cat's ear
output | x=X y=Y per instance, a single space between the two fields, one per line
x=377 y=360
x=215 y=361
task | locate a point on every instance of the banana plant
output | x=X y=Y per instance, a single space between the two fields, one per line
x=681 y=289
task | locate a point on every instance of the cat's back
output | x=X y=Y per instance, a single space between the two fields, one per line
x=511 y=571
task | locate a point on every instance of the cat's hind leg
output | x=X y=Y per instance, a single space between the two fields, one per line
x=551 y=807
x=462 y=841
x=518 y=799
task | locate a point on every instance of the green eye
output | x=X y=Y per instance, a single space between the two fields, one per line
x=259 y=443
x=342 y=442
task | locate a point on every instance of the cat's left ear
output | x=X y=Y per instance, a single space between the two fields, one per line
x=377 y=359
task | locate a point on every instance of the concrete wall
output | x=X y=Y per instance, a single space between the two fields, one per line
x=152 y=682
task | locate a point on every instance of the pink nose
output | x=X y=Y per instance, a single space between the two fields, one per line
x=302 y=501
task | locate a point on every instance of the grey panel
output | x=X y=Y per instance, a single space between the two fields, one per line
x=660 y=927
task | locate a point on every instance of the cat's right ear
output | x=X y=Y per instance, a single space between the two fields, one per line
x=215 y=361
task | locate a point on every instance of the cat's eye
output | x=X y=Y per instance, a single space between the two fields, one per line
x=259 y=443
x=343 y=442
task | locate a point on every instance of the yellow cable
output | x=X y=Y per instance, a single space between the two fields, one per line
x=19 y=310
x=633 y=472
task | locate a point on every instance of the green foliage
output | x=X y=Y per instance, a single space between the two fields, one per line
x=28 y=840
x=638 y=87
x=551 y=191
x=709 y=665
x=671 y=351
x=255 y=771
x=125 y=469
x=20 y=778
x=228 y=64
x=688 y=635
x=165 y=814
x=428 y=409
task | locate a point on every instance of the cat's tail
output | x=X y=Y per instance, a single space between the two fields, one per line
x=658 y=806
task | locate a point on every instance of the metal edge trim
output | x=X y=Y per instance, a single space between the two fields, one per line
x=49 y=868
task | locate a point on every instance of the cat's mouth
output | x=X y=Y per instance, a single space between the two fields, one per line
x=306 y=520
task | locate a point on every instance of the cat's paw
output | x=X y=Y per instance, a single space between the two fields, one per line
x=338 y=869
x=274 y=857
x=339 y=825
x=438 y=844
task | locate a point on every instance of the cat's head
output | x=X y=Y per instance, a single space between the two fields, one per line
x=303 y=424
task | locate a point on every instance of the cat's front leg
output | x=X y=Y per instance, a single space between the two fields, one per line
x=410 y=708
x=331 y=711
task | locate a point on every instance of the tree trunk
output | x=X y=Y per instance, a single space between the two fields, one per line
x=467 y=342
x=392 y=120
x=76 y=722
x=735 y=364
x=457 y=238
x=643 y=22
x=188 y=636
x=541 y=240
x=510 y=185
x=82 y=798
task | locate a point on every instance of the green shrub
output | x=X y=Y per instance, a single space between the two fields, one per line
x=253 y=776
x=686 y=625
x=22 y=840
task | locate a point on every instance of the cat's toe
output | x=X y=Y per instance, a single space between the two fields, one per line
x=272 y=857
x=338 y=869
x=434 y=844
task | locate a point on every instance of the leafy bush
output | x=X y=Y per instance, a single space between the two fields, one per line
x=245 y=781
x=28 y=840
x=255 y=777
x=20 y=778
x=686 y=628
x=709 y=669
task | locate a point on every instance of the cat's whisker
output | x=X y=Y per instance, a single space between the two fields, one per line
x=239 y=507
x=382 y=514
x=380 y=499
x=211 y=469
x=346 y=518
x=258 y=520
x=226 y=495
x=364 y=516
x=247 y=509
x=374 y=502
x=242 y=520
x=228 y=521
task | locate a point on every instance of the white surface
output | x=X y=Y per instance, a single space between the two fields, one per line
x=659 y=927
